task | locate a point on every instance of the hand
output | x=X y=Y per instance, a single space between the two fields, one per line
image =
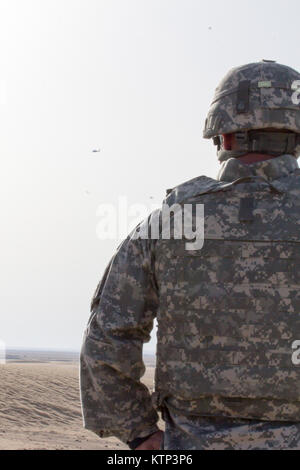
x=153 y=442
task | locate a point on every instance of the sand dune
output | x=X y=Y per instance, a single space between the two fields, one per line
x=40 y=407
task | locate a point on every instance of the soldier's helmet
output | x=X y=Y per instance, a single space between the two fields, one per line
x=255 y=96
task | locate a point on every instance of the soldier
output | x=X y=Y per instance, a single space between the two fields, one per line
x=227 y=314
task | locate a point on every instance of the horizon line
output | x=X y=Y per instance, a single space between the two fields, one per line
x=77 y=351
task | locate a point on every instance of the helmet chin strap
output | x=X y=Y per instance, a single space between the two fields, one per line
x=268 y=143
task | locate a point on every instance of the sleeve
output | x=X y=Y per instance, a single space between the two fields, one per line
x=114 y=401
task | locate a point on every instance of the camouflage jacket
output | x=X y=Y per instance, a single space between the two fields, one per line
x=130 y=296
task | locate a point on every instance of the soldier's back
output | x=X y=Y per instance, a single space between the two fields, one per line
x=229 y=313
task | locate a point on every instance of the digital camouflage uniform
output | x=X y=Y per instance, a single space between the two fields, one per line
x=227 y=315
x=227 y=318
x=202 y=433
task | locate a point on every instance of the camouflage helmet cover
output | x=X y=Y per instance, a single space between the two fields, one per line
x=254 y=96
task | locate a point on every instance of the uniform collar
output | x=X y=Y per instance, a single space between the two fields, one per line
x=273 y=169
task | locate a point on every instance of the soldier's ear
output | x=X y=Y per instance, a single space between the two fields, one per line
x=227 y=141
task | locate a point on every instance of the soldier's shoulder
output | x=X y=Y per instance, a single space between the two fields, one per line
x=192 y=188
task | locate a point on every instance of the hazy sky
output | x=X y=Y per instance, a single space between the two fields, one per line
x=132 y=77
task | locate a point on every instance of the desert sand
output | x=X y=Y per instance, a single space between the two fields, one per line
x=40 y=407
